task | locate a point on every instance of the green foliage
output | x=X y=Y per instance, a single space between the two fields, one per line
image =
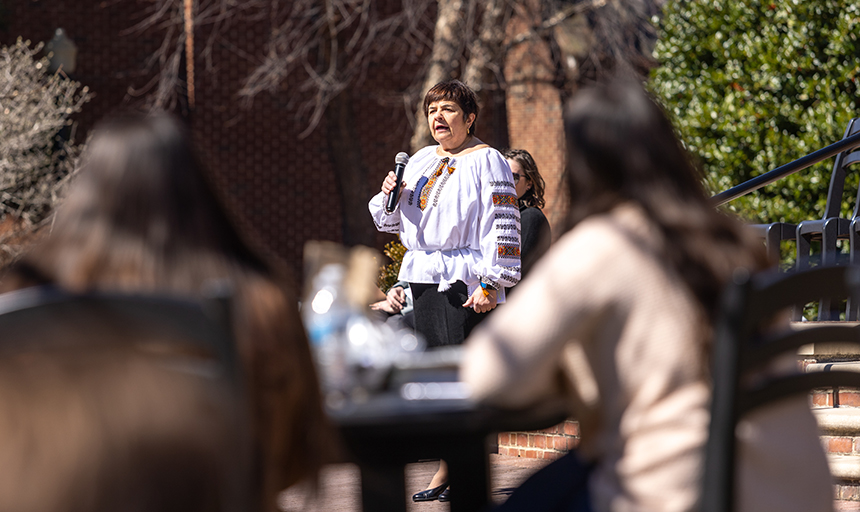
x=388 y=273
x=753 y=85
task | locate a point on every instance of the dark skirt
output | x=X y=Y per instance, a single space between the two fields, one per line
x=440 y=317
x=562 y=486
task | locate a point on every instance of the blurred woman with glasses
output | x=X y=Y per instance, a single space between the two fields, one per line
x=536 y=234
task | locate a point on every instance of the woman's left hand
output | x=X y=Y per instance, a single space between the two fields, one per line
x=481 y=303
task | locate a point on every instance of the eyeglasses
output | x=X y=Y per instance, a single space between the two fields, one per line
x=517 y=177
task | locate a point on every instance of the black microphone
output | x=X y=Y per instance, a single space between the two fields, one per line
x=399 y=166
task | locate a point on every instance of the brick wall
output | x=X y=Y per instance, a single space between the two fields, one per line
x=535 y=117
x=838 y=398
x=549 y=443
x=280 y=187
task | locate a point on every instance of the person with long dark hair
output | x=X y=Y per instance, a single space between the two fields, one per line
x=141 y=216
x=621 y=313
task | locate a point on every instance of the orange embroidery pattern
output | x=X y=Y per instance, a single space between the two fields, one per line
x=508 y=251
x=504 y=200
x=428 y=187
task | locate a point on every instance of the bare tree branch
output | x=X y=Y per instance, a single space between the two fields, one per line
x=177 y=23
x=329 y=47
x=322 y=47
x=486 y=52
x=546 y=25
x=447 y=47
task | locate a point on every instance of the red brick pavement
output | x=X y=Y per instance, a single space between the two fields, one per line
x=340 y=491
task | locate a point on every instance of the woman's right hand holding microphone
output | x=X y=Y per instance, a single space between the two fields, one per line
x=390 y=182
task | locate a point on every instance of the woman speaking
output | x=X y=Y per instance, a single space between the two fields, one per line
x=458 y=217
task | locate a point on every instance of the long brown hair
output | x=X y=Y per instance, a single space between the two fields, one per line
x=142 y=216
x=533 y=197
x=623 y=148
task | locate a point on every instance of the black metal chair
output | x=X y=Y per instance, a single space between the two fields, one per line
x=773 y=234
x=741 y=350
x=830 y=228
x=181 y=334
x=48 y=317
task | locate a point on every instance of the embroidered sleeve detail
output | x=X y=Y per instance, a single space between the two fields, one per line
x=504 y=200
x=505 y=216
x=511 y=227
x=387 y=227
x=508 y=250
x=503 y=184
x=511 y=239
x=489 y=282
x=509 y=278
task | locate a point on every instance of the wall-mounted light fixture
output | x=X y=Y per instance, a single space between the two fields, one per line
x=62 y=53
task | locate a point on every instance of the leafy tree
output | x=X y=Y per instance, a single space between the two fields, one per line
x=756 y=84
x=37 y=155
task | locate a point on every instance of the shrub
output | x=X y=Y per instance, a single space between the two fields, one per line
x=37 y=148
x=388 y=273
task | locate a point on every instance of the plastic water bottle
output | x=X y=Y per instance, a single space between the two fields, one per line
x=354 y=354
x=326 y=313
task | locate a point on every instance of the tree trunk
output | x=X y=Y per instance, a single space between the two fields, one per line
x=485 y=59
x=447 y=44
x=484 y=71
x=344 y=152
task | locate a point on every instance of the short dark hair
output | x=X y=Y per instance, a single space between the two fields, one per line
x=458 y=92
x=534 y=196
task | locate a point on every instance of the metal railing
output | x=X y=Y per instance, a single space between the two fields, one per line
x=846 y=144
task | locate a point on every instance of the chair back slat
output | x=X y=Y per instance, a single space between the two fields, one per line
x=748 y=349
x=765 y=349
x=782 y=387
x=776 y=291
x=42 y=317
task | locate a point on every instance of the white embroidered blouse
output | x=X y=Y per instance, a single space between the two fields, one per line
x=458 y=218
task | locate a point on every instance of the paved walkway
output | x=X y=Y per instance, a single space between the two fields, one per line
x=340 y=491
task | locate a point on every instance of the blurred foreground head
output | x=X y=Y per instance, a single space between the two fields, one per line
x=140 y=209
x=141 y=217
x=112 y=431
x=622 y=148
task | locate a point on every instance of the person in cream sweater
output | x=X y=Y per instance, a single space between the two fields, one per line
x=617 y=318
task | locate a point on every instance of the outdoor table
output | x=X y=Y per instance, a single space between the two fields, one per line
x=387 y=431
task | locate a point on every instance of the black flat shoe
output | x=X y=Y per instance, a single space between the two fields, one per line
x=445 y=496
x=430 y=494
